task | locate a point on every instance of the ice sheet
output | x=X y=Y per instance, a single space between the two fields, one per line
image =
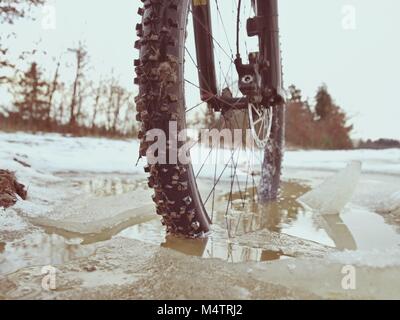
x=333 y=195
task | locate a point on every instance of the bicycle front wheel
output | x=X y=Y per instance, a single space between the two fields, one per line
x=167 y=77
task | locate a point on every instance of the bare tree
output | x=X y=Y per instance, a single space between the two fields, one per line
x=4 y=64
x=129 y=119
x=52 y=90
x=59 y=113
x=11 y=11
x=120 y=97
x=81 y=57
x=97 y=93
x=110 y=102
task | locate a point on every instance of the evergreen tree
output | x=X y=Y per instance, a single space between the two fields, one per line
x=295 y=94
x=31 y=95
x=333 y=132
x=323 y=127
x=324 y=104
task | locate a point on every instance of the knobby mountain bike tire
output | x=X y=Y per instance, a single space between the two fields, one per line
x=161 y=99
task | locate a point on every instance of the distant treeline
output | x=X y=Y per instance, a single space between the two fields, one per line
x=321 y=125
x=79 y=107
x=50 y=100
x=47 y=101
x=379 y=144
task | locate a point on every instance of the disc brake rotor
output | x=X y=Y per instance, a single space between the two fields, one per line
x=260 y=120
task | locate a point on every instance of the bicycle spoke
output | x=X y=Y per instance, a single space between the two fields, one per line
x=231 y=194
x=204 y=163
x=260 y=129
x=233 y=105
x=222 y=173
x=209 y=33
x=215 y=177
x=196 y=65
x=223 y=26
x=199 y=104
x=258 y=121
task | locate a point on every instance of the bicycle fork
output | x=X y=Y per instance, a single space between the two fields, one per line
x=259 y=80
x=202 y=25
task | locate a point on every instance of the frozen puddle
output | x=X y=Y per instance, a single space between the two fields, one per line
x=40 y=248
x=101 y=186
x=102 y=207
x=278 y=231
x=105 y=204
x=282 y=230
x=287 y=228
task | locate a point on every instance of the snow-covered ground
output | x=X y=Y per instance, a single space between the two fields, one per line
x=54 y=153
x=87 y=196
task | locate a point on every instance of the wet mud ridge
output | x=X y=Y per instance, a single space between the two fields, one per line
x=10 y=188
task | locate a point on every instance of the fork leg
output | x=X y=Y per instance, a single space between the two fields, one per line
x=270 y=46
x=204 y=48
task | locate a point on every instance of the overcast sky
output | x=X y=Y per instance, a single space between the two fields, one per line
x=350 y=45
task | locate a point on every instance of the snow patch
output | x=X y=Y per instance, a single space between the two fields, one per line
x=11 y=221
x=56 y=153
x=391 y=204
x=369 y=258
x=374 y=161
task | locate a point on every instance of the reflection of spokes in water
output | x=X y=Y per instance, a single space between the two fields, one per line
x=254 y=216
x=39 y=249
x=250 y=217
x=283 y=213
x=111 y=186
x=214 y=247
